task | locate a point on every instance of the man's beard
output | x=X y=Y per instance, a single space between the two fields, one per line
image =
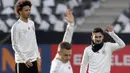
x=96 y=47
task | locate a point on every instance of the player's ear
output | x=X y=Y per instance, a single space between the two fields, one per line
x=19 y=11
x=59 y=52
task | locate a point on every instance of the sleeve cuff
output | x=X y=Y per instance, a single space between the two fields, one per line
x=70 y=24
x=38 y=57
x=110 y=33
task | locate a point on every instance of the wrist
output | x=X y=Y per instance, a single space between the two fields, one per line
x=110 y=33
x=38 y=58
x=71 y=24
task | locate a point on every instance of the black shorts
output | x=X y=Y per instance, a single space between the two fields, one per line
x=22 y=68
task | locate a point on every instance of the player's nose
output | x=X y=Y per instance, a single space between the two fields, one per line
x=68 y=57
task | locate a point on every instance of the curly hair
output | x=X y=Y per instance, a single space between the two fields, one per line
x=20 y=4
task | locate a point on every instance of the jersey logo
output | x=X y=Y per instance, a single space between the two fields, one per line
x=29 y=28
x=69 y=67
x=103 y=52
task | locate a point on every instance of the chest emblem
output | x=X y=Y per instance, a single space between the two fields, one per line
x=69 y=67
x=28 y=28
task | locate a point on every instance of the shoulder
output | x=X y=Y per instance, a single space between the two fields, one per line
x=56 y=63
x=16 y=25
x=18 y=22
x=88 y=48
x=30 y=21
x=55 y=66
x=108 y=43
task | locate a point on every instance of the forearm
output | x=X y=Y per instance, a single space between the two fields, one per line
x=21 y=55
x=117 y=39
x=69 y=33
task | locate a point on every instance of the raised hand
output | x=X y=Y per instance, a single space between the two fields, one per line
x=109 y=28
x=69 y=16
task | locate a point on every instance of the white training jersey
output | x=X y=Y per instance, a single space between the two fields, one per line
x=100 y=62
x=58 y=66
x=24 y=41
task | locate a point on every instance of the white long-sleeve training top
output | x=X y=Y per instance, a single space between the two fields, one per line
x=100 y=62
x=24 y=41
x=57 y=66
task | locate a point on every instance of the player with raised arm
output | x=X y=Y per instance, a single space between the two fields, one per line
x=61 y=62
x=98 y=54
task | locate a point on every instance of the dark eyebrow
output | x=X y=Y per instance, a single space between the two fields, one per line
x=67 y=54
x=98 y=36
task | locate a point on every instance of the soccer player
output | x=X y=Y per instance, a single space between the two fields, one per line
x=98 y=54
x=61 y=62
x=27 y=56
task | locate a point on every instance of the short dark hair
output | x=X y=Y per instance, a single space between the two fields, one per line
x=65 y=45
x=97 y=30
x=20 y=4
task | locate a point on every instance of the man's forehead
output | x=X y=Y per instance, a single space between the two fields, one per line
x=26 y=7
x=66 y=51
x=98 y=34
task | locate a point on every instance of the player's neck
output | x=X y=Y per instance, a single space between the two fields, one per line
x=59 y=58
x=24 y=19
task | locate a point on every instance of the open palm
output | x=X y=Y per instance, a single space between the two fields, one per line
x=69 y=16
x=109 y=28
